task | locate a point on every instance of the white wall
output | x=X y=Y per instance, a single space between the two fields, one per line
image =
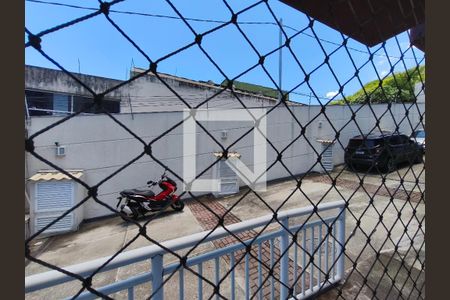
x=99 y=146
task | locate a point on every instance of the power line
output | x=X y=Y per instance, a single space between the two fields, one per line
x=214 y=21
x=308 y=95
x=230 y=129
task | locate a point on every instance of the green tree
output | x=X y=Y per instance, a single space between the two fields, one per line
x=398 y=87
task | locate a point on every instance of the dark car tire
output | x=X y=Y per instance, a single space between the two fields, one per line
x=350 y=166
x=419 y=158
x=388 y=166
x=178 y=205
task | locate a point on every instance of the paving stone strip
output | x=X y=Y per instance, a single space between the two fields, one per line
x=208 y=221
x=373 y=189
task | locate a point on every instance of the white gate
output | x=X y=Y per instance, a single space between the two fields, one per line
x=327 y=154
x=229 y=181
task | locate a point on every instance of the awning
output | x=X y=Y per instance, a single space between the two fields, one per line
x=326 y=141
x=55 y=175
x=230 y=154
x=367 y=21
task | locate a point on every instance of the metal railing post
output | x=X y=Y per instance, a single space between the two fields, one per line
x=156 y=254
x=157 y=277
x=284 y=261
x=341 y=240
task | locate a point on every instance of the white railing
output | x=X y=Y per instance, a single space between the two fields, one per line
x=328 y=258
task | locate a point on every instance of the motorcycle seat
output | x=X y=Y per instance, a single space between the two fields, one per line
x=146 y=193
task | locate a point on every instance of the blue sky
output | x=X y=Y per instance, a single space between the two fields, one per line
x=96 y=47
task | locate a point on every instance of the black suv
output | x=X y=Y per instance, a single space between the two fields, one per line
x=382 y=151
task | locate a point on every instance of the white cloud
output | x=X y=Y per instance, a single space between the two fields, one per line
x=383 y=73
x=331 y=94
x=382 y=61
x=404 y=45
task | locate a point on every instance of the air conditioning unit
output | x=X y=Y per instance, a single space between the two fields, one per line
x=224 y=135
x=60 y=150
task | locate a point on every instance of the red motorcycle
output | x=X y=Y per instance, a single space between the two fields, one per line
x=139 y=202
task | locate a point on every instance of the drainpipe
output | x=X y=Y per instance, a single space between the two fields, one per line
x=27 y=112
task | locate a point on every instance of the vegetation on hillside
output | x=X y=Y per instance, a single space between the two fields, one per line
x=254 y=88
x=398 y=89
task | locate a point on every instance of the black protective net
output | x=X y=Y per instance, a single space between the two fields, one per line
x=397 y=273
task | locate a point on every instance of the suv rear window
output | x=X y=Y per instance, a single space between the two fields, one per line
x=369 y=143
x=419 y=134
x=396 y=140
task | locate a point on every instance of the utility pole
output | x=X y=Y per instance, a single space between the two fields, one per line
x=280 y=59
x=309 y=107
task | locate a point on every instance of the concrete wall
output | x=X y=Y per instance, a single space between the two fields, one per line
x=43 y=79
x=420 y=92
x=99 y=146
x=144 y=94
x=148 y=93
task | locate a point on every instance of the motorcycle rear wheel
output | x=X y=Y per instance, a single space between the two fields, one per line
x=178 y=205
x=133 y=216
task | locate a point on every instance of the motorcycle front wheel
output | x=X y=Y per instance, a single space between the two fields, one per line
x=178 y=205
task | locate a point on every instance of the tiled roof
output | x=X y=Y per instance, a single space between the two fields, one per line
x=55 y=175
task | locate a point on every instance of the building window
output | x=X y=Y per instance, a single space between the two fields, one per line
x=61 y=104
x=47 y=103
x=83 y=103
x=39 y=103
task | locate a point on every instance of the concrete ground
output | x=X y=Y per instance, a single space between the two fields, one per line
x=404 y=265
x=104 y=238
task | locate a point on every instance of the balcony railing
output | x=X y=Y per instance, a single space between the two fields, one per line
x=290 y=262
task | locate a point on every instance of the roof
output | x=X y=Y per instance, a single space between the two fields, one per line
x=210 y=84
x=242 y=88
x=367 y=21
x=53 y=80
x=254 y=88
x=376 y=135
x=47 y=175
x=417 y=36
x=324 y=141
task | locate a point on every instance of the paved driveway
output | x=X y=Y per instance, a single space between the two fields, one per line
x=398 y=200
